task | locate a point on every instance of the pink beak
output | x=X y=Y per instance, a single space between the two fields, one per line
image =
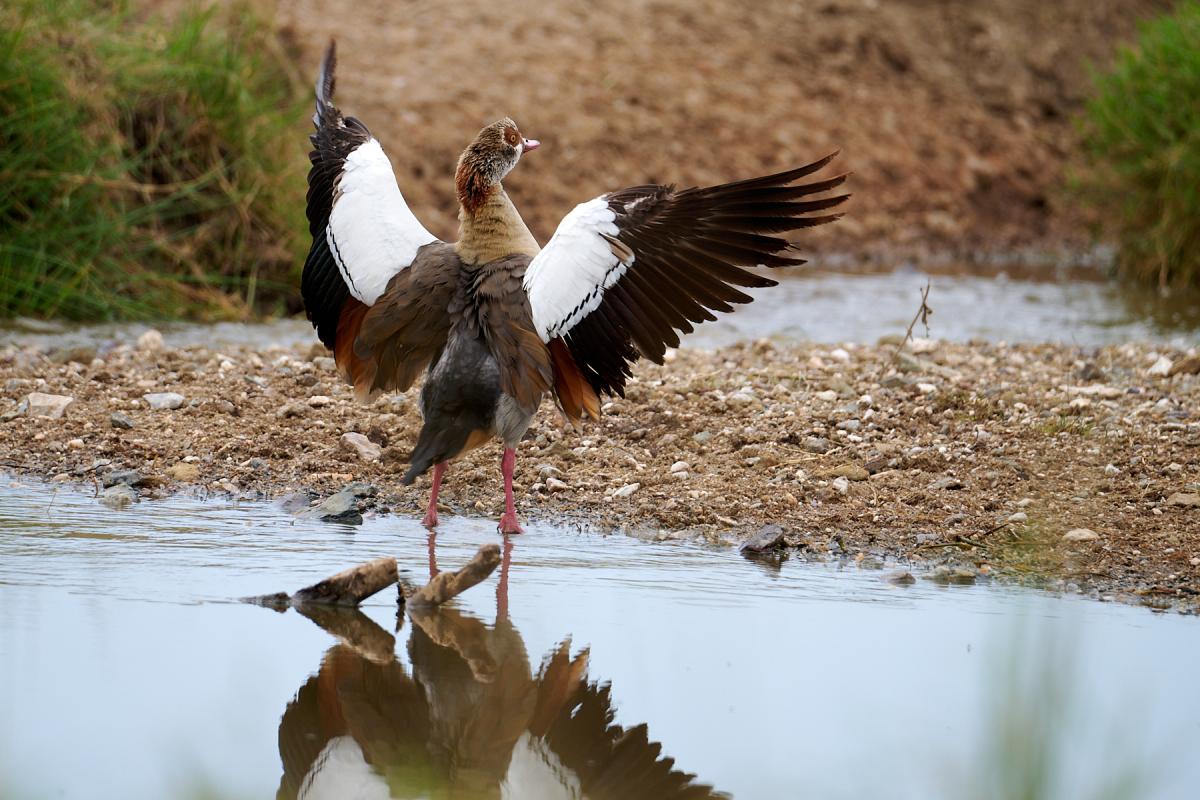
x=529 y=144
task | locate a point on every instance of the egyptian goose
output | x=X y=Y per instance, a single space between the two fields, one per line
x=494 y=321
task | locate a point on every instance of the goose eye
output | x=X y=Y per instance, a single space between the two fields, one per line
x=512 y=138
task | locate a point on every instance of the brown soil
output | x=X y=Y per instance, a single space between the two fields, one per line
x=938 y=451
x=955 y=118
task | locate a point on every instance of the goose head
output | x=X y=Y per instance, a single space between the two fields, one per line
x=488 y=159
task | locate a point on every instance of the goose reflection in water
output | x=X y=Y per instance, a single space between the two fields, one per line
x=473 y=720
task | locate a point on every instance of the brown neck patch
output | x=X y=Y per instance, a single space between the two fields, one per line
x=471 y=185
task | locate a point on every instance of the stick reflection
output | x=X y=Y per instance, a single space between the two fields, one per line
x=473 y=720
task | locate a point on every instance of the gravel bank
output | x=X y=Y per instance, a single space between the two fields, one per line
x=1042 y=463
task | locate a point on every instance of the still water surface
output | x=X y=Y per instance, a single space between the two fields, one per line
x=826 y=306
x=127 y=672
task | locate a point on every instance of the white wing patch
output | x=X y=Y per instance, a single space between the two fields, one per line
x=372 y=233
x=566 y=281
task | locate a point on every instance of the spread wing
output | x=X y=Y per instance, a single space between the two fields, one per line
x=627 y=272
x=363 y=231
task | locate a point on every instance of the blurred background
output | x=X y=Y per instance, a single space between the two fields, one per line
x=153 y=153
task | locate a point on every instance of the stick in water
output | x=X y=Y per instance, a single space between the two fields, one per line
x=451 y=584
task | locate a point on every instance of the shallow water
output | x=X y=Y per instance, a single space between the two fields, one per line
x=128 y=672
x=825 y=306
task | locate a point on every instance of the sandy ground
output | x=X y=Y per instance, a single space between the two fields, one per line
x=957 y=119
x=977 y=459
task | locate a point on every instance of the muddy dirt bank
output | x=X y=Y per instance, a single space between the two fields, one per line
x=957 y=119
x=1032 y=460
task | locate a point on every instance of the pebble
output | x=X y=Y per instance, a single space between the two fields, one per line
x=702 y=437
x=118 y=496
x=946 y=482
x=319 y=401
x=1111 y=469
x=1025 y=502
x=627 y=490
x=926 y=388
x=163 y=401
x=47 y=406
x=1195 y=562
x=851 y=471
x=556 y=485
x=291 y=410
x=827 y=396
x=184 y=472
x=841 y=485
x=740 y=398
x=341 y=507
x=902 y=578
x=850 y=425
x=769 y=537
x=1018 y=518
x=1190 y=365
x=119 y=476
x=680 y=466
x=840 y=354
x=119 y=421
x=1161 y=368
x=817 y=444
x=958 y=576
x=150 y=341
x=1184 y=499
x=1080 y=535
x=360 y=445
x=324 y=363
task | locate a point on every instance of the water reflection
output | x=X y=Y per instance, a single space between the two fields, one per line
x=472 y=720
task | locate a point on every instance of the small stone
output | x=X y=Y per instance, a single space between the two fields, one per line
x=741 y=398
x=341 y=507
x=1111 y=469
x=118 y=496
x=680 y=466
x=119 y=421
x=840 y=354
x=1017 y=518
x=1184 y=499
x=1080 y=535
x=702 y=437
x=291 y=410
x=1025 y=502
x=556 y=485
x=828 y=395
x=184 y=472
x=947 y=482
x=769 y=537
x=119 y=476
x=1091 y=373
x=953 y=575
x=817 y=444
x=849 y=425
x=163 y=401
x=150 y=341
x=1189 y=365
x=1195 y=562
x=1161 y=368
x=902 y=578
x=627 y=490
x=324 y=363
x=926 y=388
x=47 y=406
x=841 y=485
x=361 y=446
x=319 y=401
x=851 y=472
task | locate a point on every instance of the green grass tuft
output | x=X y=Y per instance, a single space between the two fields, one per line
x=147 y=169
x=1142 y=142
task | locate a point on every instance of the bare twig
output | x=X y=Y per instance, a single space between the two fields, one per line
x=347 y=588
x=447 y=585
x=922 y=316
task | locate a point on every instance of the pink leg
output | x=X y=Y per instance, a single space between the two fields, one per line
x=502 y=586
x=508 y=522
x=430 y=520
